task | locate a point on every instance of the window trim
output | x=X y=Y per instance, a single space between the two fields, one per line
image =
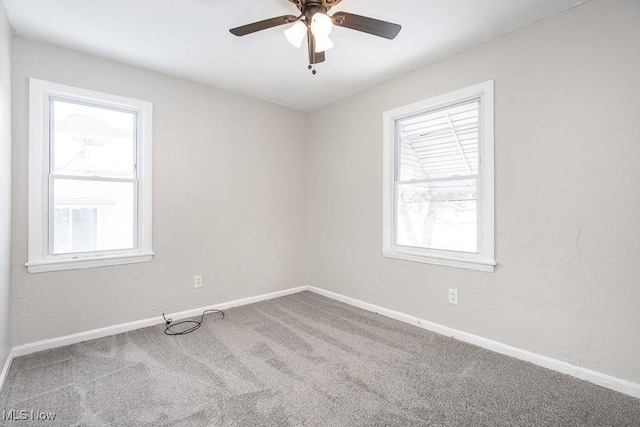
x=39 y=259
x=484 y=259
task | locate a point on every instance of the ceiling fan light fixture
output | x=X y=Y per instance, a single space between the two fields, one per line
x=316 y=25
x=295 y=34
x=323 y=43
x=321 y=24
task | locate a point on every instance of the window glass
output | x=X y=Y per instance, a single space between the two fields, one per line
x=436 y=190
x=88 y=140
x=92 y=216
x=438 y=215
x=439 y=144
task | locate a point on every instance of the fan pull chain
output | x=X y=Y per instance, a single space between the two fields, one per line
x=312 y=66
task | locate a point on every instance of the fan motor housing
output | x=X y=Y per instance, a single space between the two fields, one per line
x=325 y=3
x=306 y=5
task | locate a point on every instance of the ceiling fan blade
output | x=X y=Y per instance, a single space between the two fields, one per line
x=366 y=25
x=314 y=57
x=262 y=25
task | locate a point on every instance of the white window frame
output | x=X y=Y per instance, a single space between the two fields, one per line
x=484 y=259
x=40 y=200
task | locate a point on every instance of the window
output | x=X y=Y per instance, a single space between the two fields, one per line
x=89 y=178
x=438 y=180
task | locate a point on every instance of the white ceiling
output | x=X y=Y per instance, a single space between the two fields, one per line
x=190 y=39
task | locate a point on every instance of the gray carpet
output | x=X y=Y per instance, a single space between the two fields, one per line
x=301 y=360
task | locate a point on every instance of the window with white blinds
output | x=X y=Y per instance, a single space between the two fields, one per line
x=439 y=180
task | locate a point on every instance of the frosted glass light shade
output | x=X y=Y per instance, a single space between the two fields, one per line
x=323 y=43
x=321 y=25
x=295 y=34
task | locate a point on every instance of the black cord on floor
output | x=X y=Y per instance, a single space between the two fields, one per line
x=194 y=323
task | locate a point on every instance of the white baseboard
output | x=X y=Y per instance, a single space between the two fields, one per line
x=48 y=344
x=604 y=380
x=607 y=381
x=5 y=368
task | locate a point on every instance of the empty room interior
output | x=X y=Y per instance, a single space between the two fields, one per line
x=320 y=212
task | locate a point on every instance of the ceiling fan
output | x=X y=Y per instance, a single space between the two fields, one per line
x=315 y=23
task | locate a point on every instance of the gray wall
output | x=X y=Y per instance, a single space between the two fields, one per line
x=5 y=186
x=228 y=201
x=567 y=202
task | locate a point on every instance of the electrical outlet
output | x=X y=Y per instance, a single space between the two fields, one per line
x=453 y=296
x=197 y=281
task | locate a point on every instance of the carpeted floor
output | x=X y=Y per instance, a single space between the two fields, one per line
x=301 y=360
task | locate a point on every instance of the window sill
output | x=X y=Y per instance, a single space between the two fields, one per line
x=447 y=261
x=74 y=264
